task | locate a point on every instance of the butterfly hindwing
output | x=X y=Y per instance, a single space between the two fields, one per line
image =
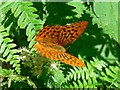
x=70 y=60
x=49 y=50
x=55 y=54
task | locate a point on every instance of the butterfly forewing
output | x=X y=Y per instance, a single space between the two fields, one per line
x=70 y=33
x=49 y=32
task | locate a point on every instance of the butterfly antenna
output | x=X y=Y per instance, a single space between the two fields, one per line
x=68 y=47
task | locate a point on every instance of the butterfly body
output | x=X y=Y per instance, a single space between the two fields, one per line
x=51 y=40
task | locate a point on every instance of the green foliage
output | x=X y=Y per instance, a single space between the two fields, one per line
x=108 y=17
x=26 y=19
x=8 y=50
x=15 y=78
x=25 y=68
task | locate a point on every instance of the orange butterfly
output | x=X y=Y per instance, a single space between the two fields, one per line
x=51 y=40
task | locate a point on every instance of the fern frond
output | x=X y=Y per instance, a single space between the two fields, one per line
x=89 y=76
x=5 y=7
x=86 y=77
x=14 y=78
x=27 y=19
x=110 y=76
x=79 y=8
x=7 y=48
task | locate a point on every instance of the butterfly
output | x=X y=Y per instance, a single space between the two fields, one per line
x=52 y=39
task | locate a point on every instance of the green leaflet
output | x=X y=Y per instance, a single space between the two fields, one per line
x=107 y=17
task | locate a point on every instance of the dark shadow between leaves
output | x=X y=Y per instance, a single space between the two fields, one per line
x=17 y=34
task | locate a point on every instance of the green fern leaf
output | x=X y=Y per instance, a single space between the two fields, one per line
x=7 y=49
x=26 y=18
x=80 y=84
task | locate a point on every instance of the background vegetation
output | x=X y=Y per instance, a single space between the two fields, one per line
x=22 y=67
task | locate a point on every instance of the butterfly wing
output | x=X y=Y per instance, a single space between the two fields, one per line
x=70 y=33
x=61 y=34
x=51 y=40
x=70 y=59
x=49 y=34
x=45 y=51
x=57 y=52
x=49 y=50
